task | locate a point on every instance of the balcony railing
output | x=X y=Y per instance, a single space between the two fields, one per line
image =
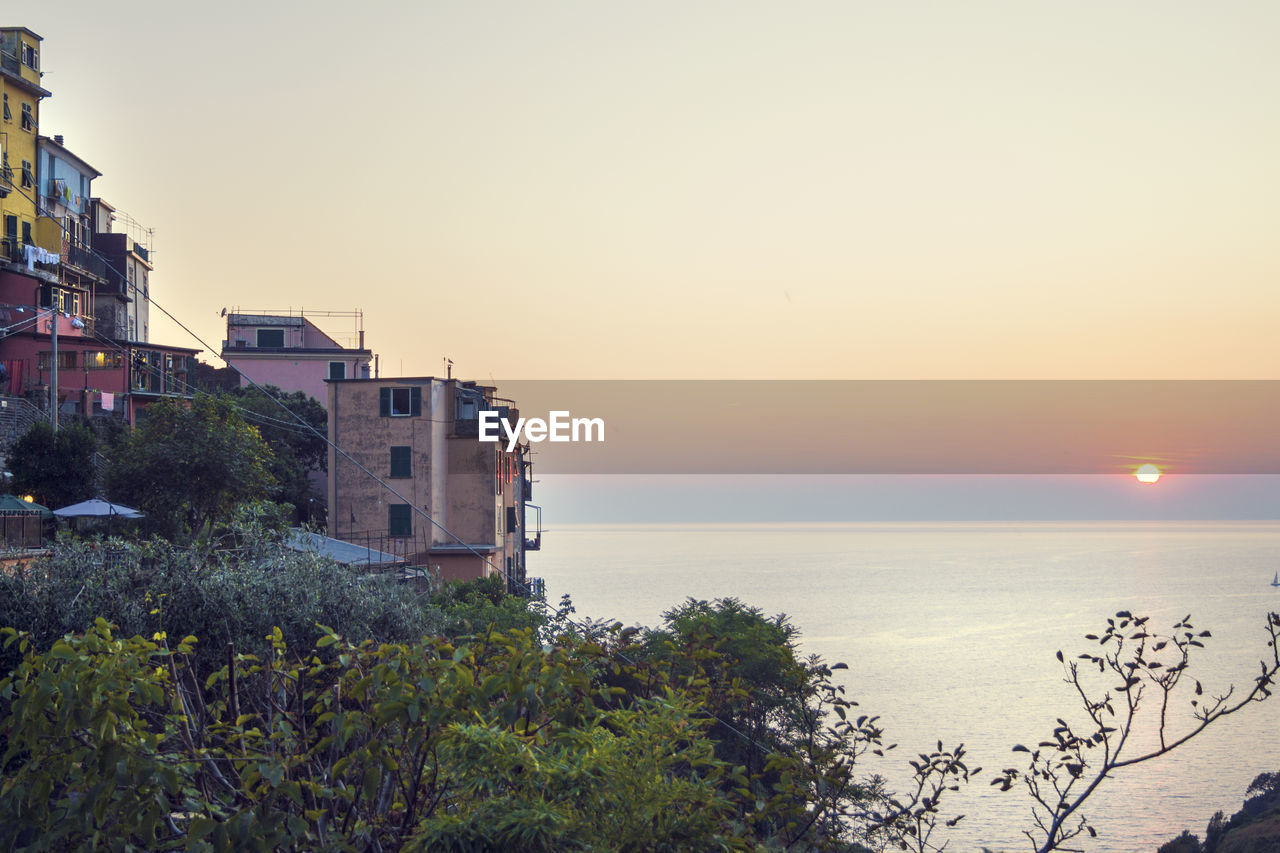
x=83 y=259
x=9 y=62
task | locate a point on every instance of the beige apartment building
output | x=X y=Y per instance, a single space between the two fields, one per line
x=447 y=501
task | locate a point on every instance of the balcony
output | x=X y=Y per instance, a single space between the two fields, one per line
x=9 y=63
x=86 y=261
x=469 y=427
x=534 y=543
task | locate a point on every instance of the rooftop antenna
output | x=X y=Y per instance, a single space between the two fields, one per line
x=448 y=368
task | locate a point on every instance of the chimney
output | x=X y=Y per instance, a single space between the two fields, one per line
x=58 y=139
x=362 y=339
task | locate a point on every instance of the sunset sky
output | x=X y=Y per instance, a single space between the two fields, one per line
x=701 y=190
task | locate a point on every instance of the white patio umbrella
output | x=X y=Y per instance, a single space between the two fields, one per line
x=97 y=508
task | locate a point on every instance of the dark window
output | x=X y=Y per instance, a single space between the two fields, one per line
x=400 y=402
x=31 y=57
x=512 y=519
x=28 y=120
x=399 y=520
x=8 y=116
x=26 y=232
x=337 y=370
x=401 y=462
x=66 y=360
x=28 y=179
x=271 y=338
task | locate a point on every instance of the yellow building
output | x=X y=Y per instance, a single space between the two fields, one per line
x=19 y=129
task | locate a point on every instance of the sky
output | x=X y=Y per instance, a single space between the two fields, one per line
x=846 y=190
x=700 y=190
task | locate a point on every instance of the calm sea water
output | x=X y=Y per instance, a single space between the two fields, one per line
x=950 y=631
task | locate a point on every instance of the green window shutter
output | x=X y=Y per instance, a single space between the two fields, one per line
x=415 y=401
x=399 y=520
x=401 y=462
x=384 y=402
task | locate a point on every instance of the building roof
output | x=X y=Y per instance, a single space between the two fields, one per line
x=332 y=353
x=50 y=142
x=31 y=33
x=347 y=553
x=154 y=345
x=416 y=380
x=263 y=320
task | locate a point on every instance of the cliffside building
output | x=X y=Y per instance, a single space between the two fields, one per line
x=461 y=503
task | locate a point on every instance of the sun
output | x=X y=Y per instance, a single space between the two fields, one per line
x=1147 y=474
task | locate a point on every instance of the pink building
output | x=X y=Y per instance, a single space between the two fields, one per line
x=291 y=352
x=96 y=375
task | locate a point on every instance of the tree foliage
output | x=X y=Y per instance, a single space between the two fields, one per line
x=477 y=606
x=188 y=467
x=786 y=722
x=494 y=746
x=57 y=469
x=1151 y=666
x=294 y=426
x=707 y=733
x=1255 y=827
x=234 y=596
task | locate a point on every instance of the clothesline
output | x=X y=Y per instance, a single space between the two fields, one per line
x=36 y=255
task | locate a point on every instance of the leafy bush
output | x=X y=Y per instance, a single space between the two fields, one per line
x=226 y=597
x=55 y=468
x=189 y=467
x=500 y=745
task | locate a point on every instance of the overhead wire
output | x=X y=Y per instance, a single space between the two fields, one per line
x=132 y=286
x=587 y=629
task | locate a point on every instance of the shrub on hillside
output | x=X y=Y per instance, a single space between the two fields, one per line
x=235 y=596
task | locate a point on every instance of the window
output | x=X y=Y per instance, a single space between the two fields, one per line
x=28 y=120
x=66 y=360
x=146 y=372
x=401 y=462
x=61 y=299
x=337 y=370
x=400 y=402
x=30 y=57
x=68 y=302
x=271 y=338
x=399 y=520
x=28 y=179
x=8 y=116
x=100 y=360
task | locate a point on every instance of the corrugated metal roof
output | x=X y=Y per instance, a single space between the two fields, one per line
x=347 y=553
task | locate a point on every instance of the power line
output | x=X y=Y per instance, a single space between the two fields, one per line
x=585 y=627
x=381 y=482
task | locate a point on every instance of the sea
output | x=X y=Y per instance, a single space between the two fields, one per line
x=950 y=632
